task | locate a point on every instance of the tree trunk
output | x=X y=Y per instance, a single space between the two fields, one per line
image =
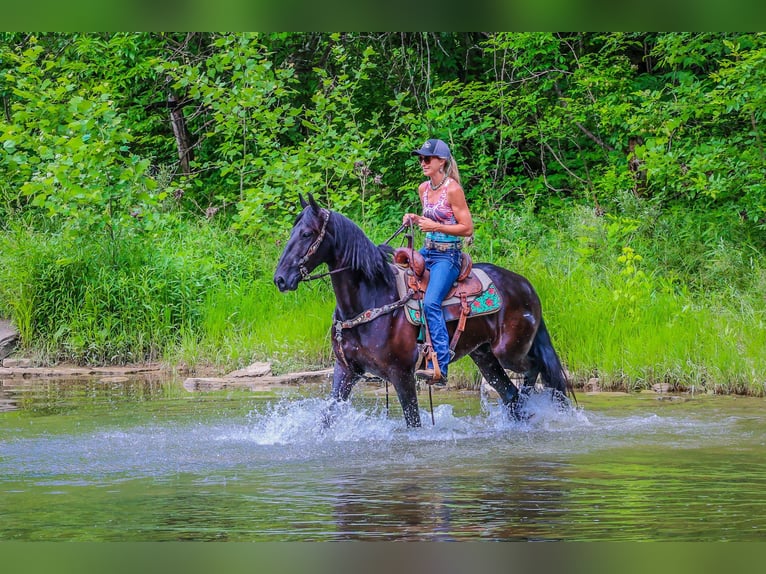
x=636 y=165
x=178 y=121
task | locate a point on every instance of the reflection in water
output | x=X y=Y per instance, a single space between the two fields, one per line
x=145 y=461
x=508 y=505
x=7 y=401
x=51 y=396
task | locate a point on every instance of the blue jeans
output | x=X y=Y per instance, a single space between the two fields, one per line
x=444 y=267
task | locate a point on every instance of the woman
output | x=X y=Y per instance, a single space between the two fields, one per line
x=445 y=220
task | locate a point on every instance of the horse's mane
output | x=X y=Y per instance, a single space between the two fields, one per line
x=357 y=251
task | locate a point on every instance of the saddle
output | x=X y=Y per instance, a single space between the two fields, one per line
x=418 y=276
x=473 y=293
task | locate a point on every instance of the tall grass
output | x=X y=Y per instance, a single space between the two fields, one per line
x=620 y=314
x=634 y=297
x=247 y=321
x=98 y=302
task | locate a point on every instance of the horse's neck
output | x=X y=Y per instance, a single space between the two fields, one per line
x=355 y=293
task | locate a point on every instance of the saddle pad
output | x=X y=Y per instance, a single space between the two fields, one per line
x=486 y=302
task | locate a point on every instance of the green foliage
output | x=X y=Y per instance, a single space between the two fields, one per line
x=530 y=115
x=703 y=143
x=245 y=321
x=94 y=305
x=66 y=150
x=264 y=143
x=621 y=314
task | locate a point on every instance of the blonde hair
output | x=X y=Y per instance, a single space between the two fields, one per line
x=452 y=170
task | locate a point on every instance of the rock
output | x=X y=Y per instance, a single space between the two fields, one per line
x=254 y=370
x=661 y=388
x=8 y=338
x=256 y=383
x=17 y=363
x=592 y=386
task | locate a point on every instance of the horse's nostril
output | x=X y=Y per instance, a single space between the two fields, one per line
x=279 y=281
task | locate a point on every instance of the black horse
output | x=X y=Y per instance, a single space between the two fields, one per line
x=372 y=335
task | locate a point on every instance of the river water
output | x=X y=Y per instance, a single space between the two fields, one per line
x=144 y=460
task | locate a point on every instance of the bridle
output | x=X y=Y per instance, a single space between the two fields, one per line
x=324 y=214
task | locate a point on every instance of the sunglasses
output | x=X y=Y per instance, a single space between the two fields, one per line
x=425 y=158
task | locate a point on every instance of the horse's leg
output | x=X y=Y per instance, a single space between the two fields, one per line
x=408 y=398
x=343 y=381
x=404 y=384
x=496 y=376
x=544 y=360
x=530 y=375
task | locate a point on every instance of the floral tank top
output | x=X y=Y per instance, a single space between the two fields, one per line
x=441 y=212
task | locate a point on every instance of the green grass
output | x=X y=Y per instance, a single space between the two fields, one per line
x=251 y=321
x=621 y=301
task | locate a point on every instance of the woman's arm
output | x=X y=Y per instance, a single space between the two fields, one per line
x=414 y=218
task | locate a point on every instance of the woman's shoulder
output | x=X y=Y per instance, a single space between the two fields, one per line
x=454 y=187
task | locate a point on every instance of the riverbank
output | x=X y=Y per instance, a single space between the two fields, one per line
x=206 y=377
x=258 y=377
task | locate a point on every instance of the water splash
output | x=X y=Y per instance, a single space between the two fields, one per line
x=303 y=422
x=291 y=430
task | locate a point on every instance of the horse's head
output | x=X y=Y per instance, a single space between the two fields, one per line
x=302 y=252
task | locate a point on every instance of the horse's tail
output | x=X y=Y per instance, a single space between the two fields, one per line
x=547 y=361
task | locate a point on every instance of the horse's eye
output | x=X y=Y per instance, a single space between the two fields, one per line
x=306 y=234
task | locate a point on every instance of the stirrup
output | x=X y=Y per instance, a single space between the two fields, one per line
x=428 y=376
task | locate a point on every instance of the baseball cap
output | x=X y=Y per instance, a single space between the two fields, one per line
x=434 y=147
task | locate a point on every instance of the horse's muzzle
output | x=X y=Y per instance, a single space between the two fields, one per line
x=283 y=285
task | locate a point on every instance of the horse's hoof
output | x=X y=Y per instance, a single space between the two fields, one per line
x=516 y=410
x=329 y=416
x=562 y=401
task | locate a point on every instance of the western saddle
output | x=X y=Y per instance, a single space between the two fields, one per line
x=456 y=304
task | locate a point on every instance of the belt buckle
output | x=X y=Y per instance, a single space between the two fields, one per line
x=442 y=246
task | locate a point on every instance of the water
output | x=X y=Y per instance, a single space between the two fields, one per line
x=145 y=460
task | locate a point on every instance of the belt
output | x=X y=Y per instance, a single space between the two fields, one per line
x=442 y=245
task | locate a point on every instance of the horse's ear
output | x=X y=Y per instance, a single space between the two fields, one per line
x=312 y=202
x=303 y=201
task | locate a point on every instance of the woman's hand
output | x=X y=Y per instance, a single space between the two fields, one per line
x=426 y=224
x=423 y=223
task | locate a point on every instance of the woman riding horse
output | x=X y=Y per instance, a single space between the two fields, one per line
x=446 y=219
x=371 y=333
